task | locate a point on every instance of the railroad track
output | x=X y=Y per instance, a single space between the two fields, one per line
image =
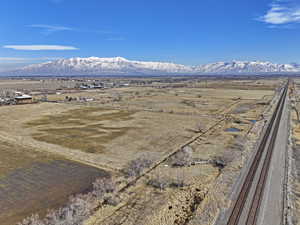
x=247 y=205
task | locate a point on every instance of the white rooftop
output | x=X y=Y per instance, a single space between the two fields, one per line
x=23 y=97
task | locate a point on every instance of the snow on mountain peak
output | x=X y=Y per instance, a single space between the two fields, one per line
x=246 y=67
x=122 y=66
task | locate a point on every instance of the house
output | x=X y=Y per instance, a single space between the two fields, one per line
x=23 y=99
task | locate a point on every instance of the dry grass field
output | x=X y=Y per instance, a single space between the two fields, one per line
x=122 y=124
x=82 y=129
x=34 y=84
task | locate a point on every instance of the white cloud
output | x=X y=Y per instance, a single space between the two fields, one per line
x=49 y=29
x=282 y=12
x=21 y=60
x=39 y=47
x=12 y=63
x=12 y=59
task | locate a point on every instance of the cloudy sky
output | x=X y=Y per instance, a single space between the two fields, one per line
x=182 y=31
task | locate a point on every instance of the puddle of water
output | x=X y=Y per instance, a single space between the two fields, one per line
x=232 y=129
x=253 y=121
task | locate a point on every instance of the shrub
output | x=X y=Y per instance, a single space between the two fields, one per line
x=113 y=200
x=223 y=160
x=188 y=103
x=161 y=184
x=239 y=143
x=200 y=128
x=177 y=183
x=162 y=181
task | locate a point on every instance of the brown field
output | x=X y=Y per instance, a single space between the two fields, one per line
x=82 y=129
x=120 y=125
x=32 y=181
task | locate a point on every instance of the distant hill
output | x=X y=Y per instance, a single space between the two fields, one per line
x=122 y=66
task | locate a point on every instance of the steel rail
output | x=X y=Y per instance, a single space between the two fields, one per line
x=247 y=184
x=257 y=199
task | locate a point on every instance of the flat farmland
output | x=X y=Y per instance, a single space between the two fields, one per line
x=111 y=137
x=66 y=145
x=143 y=120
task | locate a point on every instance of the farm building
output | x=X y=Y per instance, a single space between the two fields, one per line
x=23 y=99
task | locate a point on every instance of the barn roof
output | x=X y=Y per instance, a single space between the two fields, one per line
x=23 y=97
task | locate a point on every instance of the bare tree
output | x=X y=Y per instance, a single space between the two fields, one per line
x=184 y=157
x=103 y=186
x=78 y=210
x=79 y=207
x=32 y=220
x=223 y=160
x=135 y=167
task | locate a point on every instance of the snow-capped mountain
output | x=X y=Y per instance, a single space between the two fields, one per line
x=247 y=67
x=103 y=66
x=122 y=66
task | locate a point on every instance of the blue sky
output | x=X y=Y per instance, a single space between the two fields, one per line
x=182 y=31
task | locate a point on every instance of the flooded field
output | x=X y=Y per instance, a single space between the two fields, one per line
x=42 y=186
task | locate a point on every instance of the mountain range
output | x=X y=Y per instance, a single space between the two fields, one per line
x=122 y=66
